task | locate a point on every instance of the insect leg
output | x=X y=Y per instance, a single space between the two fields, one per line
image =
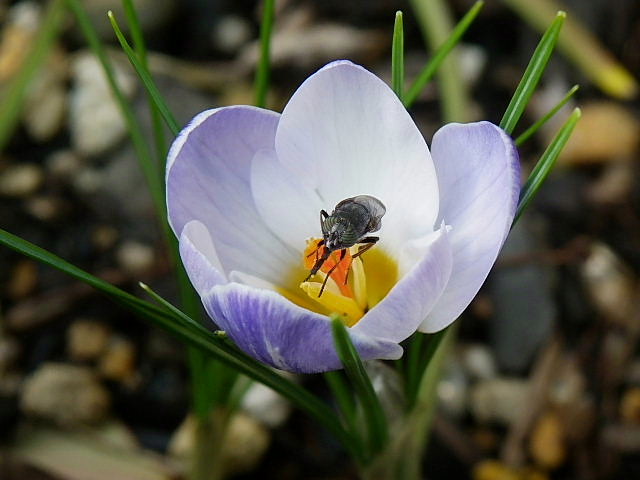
x=343 y=252
x=369 y=242
x=318 y=264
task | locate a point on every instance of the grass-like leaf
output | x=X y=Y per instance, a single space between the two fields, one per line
x=546 y=163
x=263 y=72
x=194 y=334
x=440 y=54
x=144 y=75
x=148 y=165
x=141 y=51
x=210 y=379
x=397 y=57
x=374 y=416
x=13 y=95
x=526 y=135
x=532 y=74
x=580 y=46
x=420 y=353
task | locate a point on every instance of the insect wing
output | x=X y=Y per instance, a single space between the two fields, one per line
x=376 y=210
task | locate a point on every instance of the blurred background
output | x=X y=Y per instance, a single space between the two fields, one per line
x=544 y=382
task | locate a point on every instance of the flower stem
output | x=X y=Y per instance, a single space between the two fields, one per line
x=207 y=462
x=402 y=460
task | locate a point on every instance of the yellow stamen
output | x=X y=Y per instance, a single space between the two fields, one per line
x=334 y=302
x=359 y=283
x=348 y=291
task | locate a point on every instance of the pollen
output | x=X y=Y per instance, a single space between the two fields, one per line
x=346 y=292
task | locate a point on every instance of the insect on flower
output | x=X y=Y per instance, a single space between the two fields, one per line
x=236 y=174
x=349 y=224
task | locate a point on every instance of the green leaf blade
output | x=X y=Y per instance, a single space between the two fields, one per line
x=546 y=163
x=529 y=132
x=532 y=75
x=263 y=73
x=397 y=57
x=374 y=416
x=144 y=75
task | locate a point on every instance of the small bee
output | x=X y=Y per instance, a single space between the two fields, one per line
x=348 y=225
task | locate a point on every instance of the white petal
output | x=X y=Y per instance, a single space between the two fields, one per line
x=208 y=179
x=479 y=177
x=290 y=210
x=345 y=133
x=398 y=315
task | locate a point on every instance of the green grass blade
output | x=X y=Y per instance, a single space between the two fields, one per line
x=193 y=334
x=343 y=396
x=413 y=369
x=582 y=47
x=532 y=74
x=13 y=96
x=397 y=57
x=144 y=75
x=529 y=132
x=441 y=53
x=141 y=51
x=546 y=163
x=149 y=167
x=263 y=72
x=374 y=416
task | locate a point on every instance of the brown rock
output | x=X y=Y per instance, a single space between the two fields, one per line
x=606 y=132
x=24 y=279
x=630 y=406
x=610 y=283
x=64 y=394
x=119 y=360
x=495 y=470
x=20 y=180
x=87 y=339
x=547 y=445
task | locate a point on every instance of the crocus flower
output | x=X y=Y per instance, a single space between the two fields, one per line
x=245 y=187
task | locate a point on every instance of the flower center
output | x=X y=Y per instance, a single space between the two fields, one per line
x=352 y=286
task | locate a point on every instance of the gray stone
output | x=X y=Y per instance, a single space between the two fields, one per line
x=499 y=400
x=524 y=311
x=96 y=121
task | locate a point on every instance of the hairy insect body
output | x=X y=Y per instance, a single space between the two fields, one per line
x=348 y=225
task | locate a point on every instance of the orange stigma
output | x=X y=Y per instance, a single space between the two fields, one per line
x=340 y=274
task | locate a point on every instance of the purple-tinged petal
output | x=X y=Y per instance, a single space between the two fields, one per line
x=208 y=179
x=200 y=258
x=479 y=177
x=398 y=315
x=345 y=133
x=277 y=332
